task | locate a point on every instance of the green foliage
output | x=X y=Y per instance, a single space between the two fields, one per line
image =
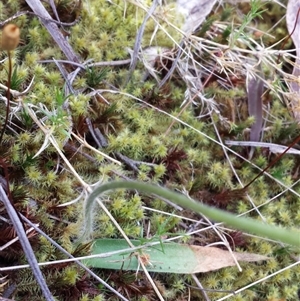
x=95 y=77
x=255 y=11
x=18 y=78
x=163 y=224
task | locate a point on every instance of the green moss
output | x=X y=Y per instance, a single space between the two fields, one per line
x=178 y=157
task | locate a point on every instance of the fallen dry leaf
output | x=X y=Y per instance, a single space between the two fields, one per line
x=195 y=12
x=255 y=91
x=165 y=258
x=210 y=258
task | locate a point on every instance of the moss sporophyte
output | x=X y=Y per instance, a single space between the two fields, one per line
x=9 y=41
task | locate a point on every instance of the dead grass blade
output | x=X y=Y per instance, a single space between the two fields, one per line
x=293 y=25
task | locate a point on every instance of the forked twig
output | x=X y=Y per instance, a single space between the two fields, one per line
x=58 y=37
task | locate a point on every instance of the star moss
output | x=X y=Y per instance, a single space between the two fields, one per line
x=131 y=115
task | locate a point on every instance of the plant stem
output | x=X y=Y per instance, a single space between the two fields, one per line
x=7 y=94
x=245 y=224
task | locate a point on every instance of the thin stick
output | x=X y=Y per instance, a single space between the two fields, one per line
x=273 y=162
x=18 y=226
